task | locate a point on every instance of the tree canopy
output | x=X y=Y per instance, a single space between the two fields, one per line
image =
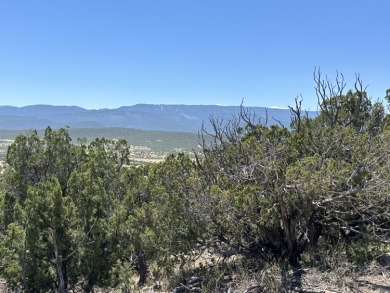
x=73 y=214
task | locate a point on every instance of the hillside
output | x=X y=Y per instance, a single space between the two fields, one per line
x=146 y=145
x=178 y=118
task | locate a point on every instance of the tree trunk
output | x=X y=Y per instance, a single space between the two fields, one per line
x=24 y=265
x=289 y=231
x=59 y=263
x=92 y=278
x=141 y=268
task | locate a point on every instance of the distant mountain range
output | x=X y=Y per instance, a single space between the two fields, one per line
x=178 y=118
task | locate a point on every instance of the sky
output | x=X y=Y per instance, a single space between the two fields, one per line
x=106 y=54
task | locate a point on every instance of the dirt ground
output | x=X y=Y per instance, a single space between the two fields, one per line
x=370 y=278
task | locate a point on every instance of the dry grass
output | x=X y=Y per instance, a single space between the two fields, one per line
x=369 y=278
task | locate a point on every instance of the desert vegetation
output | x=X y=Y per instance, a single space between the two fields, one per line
x=249 y=212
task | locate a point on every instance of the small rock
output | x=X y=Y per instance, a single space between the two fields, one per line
x=384 y=259
x=194 y=280
x=192 y=285
x=180 y=289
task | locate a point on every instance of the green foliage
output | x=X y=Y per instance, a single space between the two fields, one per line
x=364 y=248
x=80 y=215
x=274 y=193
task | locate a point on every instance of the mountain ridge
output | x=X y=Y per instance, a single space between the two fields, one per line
x=162 y=117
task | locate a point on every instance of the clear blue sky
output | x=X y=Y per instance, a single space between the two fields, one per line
x=106 y=54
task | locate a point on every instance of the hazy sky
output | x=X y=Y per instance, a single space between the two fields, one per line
x=106 y=54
